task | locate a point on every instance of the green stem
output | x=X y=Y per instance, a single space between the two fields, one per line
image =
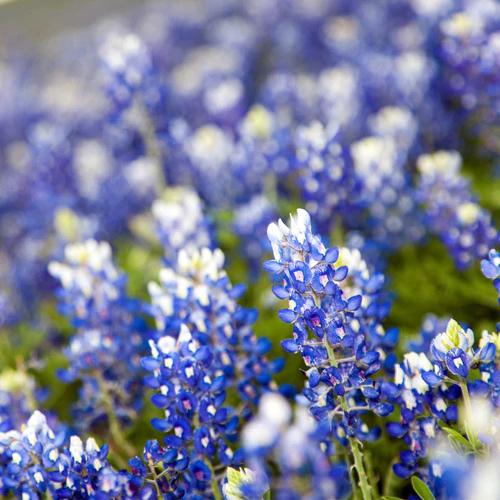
x=371 y=474
x=115 y=429
x=471 y=435
x=216 y=490
x=366 y=489
x=350 y=467
x=155 y=480
x=390 y=479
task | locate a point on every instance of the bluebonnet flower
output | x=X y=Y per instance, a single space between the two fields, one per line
x=429 y=389
x=198 y=293
x=420 y=410
x=210 y=82
x=243 y=483
x=250 y=224
x=326 y=176
x=451 y=211
x=136 y=92
x=491 y=269
x=127 y=65
x=36 y=463
x=227 y=166
x=208 y=153
x=206 y=348
x=181 y=223
x=198 y=424
x=453 y=351
x=292 y=455
x=329 y=334
x=469 y=52
x=110 y=338
x=333 y=97
x=392 y=213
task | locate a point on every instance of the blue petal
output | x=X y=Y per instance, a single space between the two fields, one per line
x=273 y=266
x=150 y=364
x=489 y=269
x=280 y=292
x=289 y=345
x=286 y=315
x=354 y=302
x=340 y=273
x=332 y=255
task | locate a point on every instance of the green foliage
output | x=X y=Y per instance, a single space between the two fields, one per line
x=424 y=280
x=459 y=443
x=421 y=489
x=141 y=263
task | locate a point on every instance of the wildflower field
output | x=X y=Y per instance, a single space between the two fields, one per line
x=248 y=251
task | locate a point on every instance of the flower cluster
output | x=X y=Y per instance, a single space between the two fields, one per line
x=207 y=350
x=35 y=463
x=328 y=332
x=451 y=212
x=328 y=182
x=181 y=223
x=431 y=384
x=379 y=162
x=220 y=114
x=110 y=335
x=127 y=66
x=469 y=48
x=360 y=112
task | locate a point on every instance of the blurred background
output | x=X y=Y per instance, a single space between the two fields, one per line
x=258 y=108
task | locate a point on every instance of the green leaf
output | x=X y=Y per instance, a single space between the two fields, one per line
x=459 y=442
x=421 y=489
x=385 y=497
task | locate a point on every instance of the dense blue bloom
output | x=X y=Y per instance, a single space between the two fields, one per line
x=379 y=163
x=330 y=328
x=127 y=67
x=327 y=179
x=110 y=334
x=421 y=409
x=469 y=48
x=246 y=109
x=452 y=212
x=453 y=350
x=35 y=462
x=205 y=349
x=429 y=389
